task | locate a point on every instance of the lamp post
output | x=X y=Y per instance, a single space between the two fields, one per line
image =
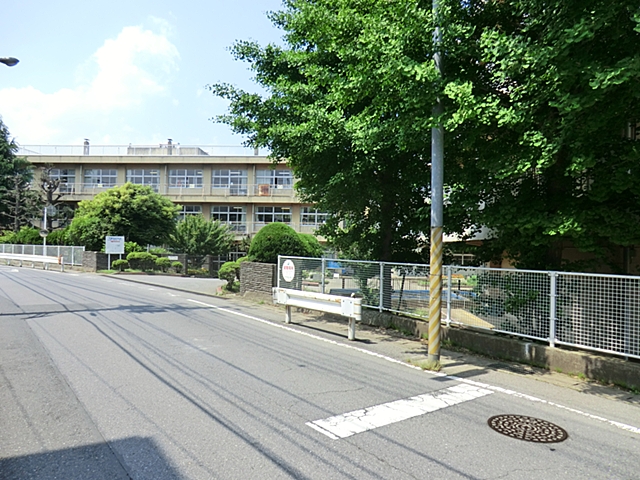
x=9 y=61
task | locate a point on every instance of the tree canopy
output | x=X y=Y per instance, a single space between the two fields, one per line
x=536 y=94
x=133 y=211
x=196 y=236
x=19 y=203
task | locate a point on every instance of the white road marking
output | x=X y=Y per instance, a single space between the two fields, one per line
x=358 y=421
x=622 y=426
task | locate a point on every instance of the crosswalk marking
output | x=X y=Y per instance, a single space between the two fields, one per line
x=358 y=421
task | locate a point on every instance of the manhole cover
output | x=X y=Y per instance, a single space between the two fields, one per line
x=528 y=429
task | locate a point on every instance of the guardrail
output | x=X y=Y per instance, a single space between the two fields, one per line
x=71 y=255
x=46 y=261
x=350 y=307
x=594 y=312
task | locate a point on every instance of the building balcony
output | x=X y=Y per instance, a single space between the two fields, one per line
x=192 y=192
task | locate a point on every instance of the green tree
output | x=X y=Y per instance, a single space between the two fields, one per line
x=335 y=111
x=197 y=236
x=536 y=98
x=53 y=197
x=19 y=204
x=276 y=239
x=540 y=127
x=133 y=211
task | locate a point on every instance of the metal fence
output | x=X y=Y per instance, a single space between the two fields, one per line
x=587 y=311
x=70 y=255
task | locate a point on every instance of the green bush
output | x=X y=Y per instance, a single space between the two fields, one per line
x=276 y=239
x=141 y=260
x=120 y=264
x=130 y=247
x=229 y=271
x=314 y=249
x=158 y=251
x=163 y=263
x=58 y=237
x=25 y=236
x=177 y=266
x=242 y=259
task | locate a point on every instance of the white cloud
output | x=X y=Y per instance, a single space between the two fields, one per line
x=125 y=72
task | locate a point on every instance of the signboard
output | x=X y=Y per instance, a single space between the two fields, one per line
x=288 y=270
x=114 y=244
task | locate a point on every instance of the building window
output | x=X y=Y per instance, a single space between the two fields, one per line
x=189 y=210
x=233 y=180
x=312 y=217
x=235 y=217
x=181 y=178
x=273 y=214
x=67 y=177
x=150 y=178
x=100 y=177
x=275 y=178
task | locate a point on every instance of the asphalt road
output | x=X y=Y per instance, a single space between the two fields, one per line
x=102 y=378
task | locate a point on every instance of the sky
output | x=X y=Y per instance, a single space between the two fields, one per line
x=120 y=72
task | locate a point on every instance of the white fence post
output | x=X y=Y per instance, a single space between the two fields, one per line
x=553 y=308
x=381 y=299
x=448 y=267
x=323 y=271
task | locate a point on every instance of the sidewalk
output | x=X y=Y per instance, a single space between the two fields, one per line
x=199 y=285
x=389 y=342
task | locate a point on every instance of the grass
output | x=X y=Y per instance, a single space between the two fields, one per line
x=403 y=331
x=426 y=365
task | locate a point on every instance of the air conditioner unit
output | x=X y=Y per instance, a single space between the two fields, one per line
x=192 y=185
x=279 y=187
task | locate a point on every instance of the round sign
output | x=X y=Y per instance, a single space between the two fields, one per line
x=43 y=233
x=288 y=270
x=51 y=211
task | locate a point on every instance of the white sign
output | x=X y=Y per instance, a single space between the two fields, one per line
x=114 y=245
x=288 y=270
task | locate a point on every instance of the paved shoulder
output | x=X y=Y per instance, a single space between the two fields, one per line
x=46 y=433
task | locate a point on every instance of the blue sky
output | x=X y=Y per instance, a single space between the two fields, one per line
x=121 y=72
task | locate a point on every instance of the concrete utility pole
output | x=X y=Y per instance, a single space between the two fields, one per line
x=437 y=182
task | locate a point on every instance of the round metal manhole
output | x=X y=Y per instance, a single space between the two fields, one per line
x=529 y=429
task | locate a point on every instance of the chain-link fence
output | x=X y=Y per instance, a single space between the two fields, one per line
x=594 y=312
x=70 y=255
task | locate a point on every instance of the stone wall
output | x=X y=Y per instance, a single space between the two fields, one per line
x=257 y=277
x=94 y=261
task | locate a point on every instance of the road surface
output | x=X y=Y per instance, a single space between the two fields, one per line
x=102 y=378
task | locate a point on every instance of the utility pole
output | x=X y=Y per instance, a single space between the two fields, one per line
x=437 y=187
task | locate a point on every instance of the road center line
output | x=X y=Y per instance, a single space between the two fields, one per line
x=358 y=421
x=622 y=426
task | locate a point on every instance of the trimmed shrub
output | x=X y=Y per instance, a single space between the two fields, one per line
x=141 y=260
x=132 y=247
x=314 y=249
x=276 y=239
x=177 y=266
x=163 y=263
x=230 y=271
x=120 y=264
x=58 y=237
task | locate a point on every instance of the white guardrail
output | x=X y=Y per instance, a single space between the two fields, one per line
x=45 y=260
x=346 y=306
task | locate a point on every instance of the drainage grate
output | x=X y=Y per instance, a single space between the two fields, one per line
x=528 y=429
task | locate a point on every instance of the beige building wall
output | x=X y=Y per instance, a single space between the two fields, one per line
x=252 y=197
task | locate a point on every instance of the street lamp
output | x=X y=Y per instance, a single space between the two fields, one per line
x=9 y=61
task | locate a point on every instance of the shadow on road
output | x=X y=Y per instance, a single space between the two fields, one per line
x=134 y=457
